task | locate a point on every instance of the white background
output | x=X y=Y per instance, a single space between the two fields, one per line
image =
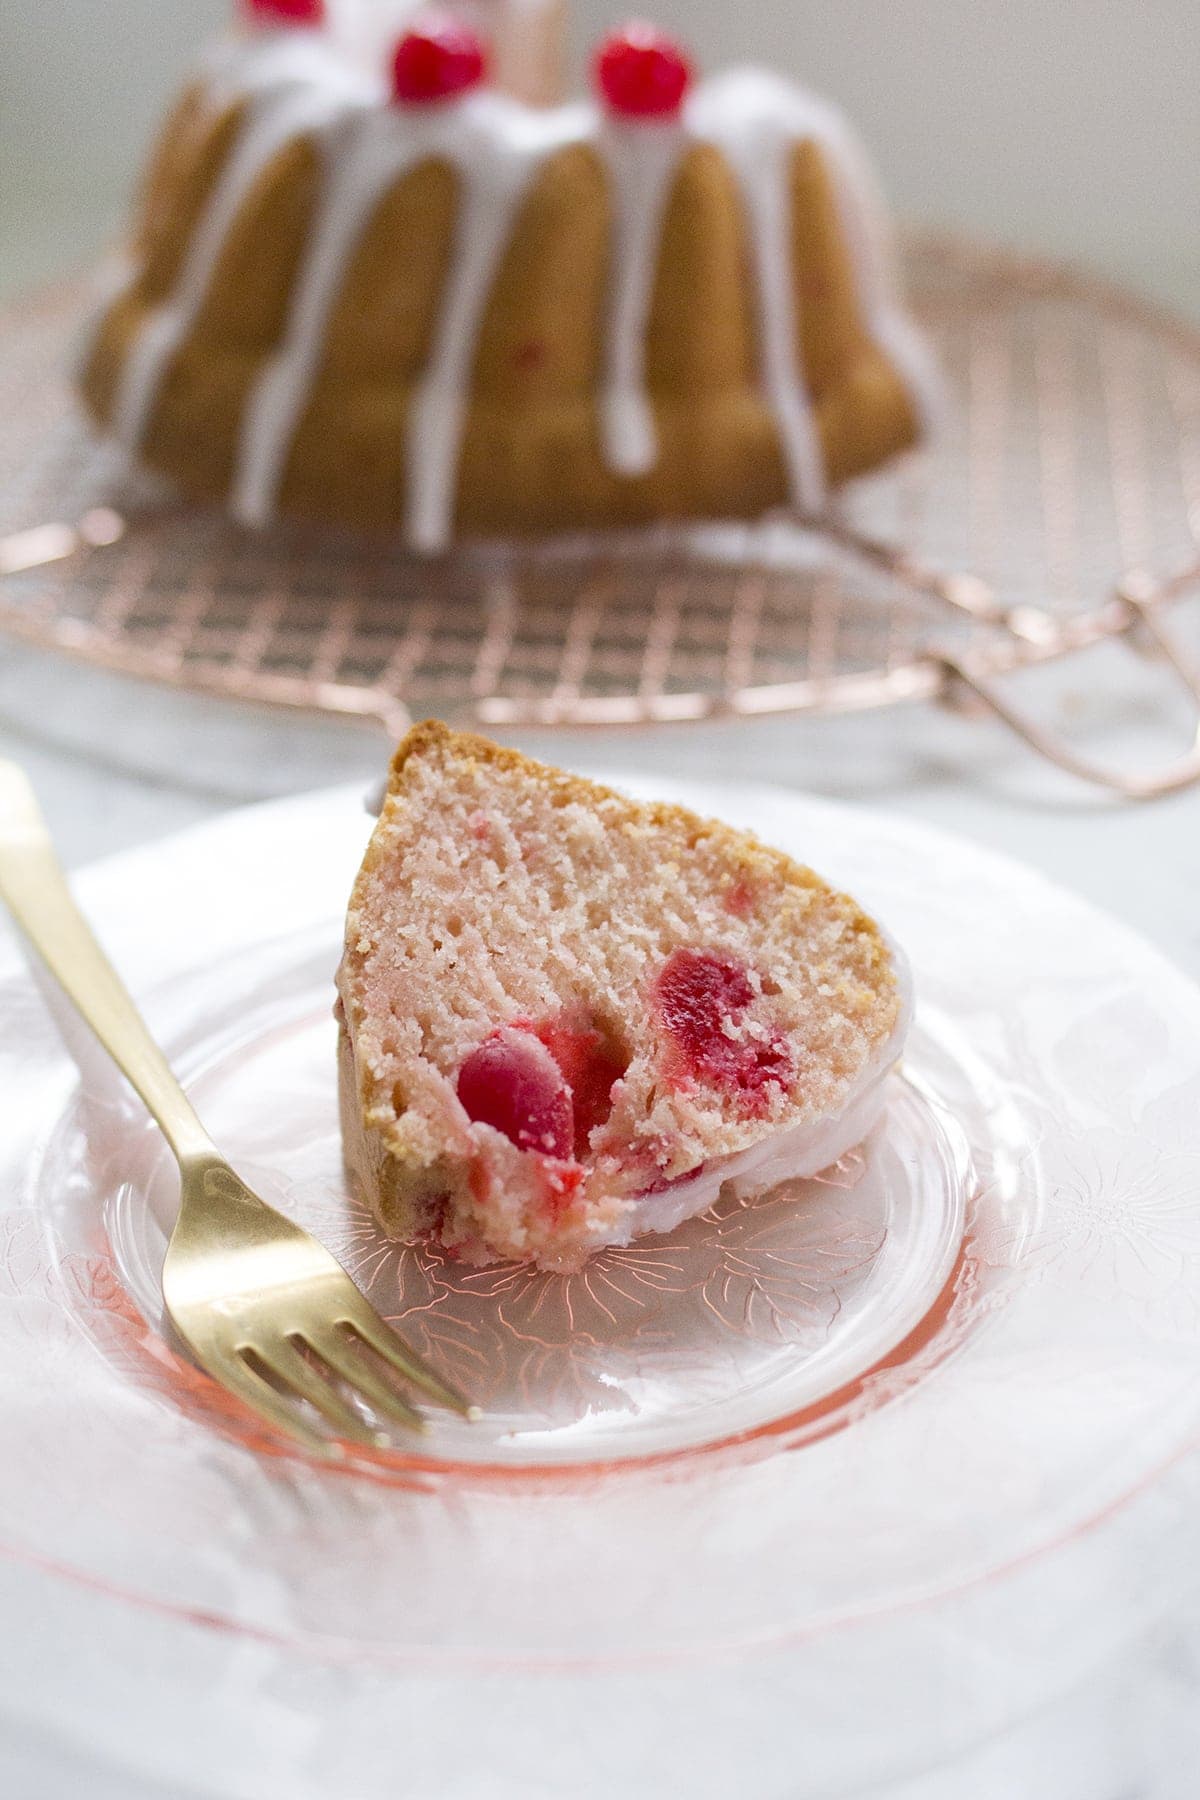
x=1068 y=125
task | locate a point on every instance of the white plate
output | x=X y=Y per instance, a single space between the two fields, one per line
x=850 y=1405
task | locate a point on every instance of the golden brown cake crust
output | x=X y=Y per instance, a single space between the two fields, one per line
x=737 y=847
x=531 y=457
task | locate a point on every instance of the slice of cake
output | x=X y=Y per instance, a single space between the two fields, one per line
x=568 y=1018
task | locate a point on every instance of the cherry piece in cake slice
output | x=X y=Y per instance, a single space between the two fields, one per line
x=512 y=1083
x=701 y=1000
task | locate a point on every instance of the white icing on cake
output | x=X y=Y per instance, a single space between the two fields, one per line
x=642 y=162
x=267 y=62
x=756 y=122
x=747 y=109
x=495 y=145
x=522 y=36
x=326 y=86
x=286 y=115
x=495 y=167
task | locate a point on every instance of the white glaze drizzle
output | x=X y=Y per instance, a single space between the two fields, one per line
x=495 y=145
x=757 y=119
x=243 y=65
x=438 y=411
x=279 y=121
x=297 y=84
x=353 y=187
x=741 y=114
x=865 y=225
x=642 y=160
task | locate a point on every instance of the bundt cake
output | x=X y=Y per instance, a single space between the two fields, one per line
x=411 y=300
x=567 y=1019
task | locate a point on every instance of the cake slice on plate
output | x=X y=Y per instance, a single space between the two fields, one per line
x=568 y=1018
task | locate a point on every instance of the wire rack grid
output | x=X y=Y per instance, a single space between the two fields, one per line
x=1058 y=507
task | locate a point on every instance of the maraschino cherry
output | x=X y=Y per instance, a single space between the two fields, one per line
x=285 y=12
x=512 y=1083
x=642 y=73
x=438 y=59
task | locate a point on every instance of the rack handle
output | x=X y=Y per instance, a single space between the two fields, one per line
x=1182 y=772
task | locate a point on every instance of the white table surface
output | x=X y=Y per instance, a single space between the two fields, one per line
x=118 y=765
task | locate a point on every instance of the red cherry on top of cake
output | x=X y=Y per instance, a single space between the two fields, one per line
x=437 y=60
x=286 y=12
x=642 y=73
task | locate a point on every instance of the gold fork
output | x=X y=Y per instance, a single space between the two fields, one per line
x=261 y=1305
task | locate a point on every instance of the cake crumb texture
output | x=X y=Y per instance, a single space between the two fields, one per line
x=688 y=990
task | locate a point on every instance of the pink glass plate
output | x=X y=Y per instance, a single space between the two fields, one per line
x=960 y=1348
x=752 y=1314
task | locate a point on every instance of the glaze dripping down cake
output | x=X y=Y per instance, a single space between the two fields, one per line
x=387 y=292
x=568 y=1018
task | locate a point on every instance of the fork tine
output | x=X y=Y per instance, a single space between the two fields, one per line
x=335 y=1348
x=286 y=1364
x=365 y=1322
x=254 y=1391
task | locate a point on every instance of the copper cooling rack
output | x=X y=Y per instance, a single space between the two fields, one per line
x=1059 y=508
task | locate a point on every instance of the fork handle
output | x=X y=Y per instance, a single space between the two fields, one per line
x=34 y=887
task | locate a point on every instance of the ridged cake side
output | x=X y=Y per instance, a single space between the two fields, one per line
x=531 y=454
x=702 y=992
